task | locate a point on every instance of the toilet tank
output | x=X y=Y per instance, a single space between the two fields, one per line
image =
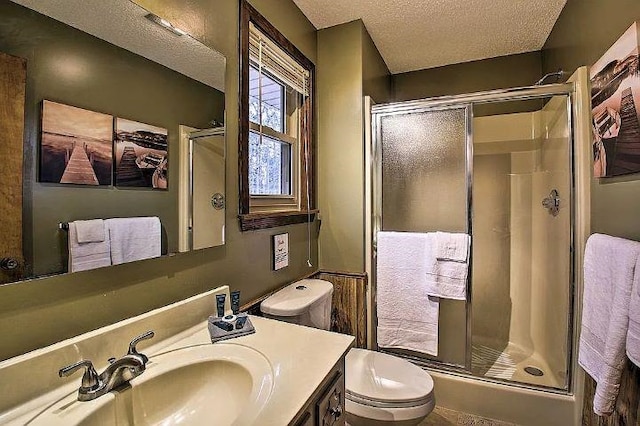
x=305 y=302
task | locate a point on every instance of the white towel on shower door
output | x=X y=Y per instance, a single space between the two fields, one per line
x=448 y=266
x=407 y=316
x=452 y=246
x=447 y=280
x=609 y=267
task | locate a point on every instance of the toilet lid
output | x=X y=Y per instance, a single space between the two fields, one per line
x=379 y=377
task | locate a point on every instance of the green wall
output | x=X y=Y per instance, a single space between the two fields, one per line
x=349 y=67
x=42 y=311
x=494 y=73
x=585 y=30
x=582 y=34
x=340 y=155
x=376 y=78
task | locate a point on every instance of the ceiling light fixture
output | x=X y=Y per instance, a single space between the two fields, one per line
x=165 y=24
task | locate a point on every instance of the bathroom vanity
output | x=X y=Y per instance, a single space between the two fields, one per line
x=282 y=374
x=327 y=405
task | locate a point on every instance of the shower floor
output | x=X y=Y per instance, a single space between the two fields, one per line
x=510 y=363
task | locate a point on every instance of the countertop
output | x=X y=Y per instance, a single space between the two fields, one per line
x=301 y=357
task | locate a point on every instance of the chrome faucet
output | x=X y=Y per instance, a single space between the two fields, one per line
x=118 y=372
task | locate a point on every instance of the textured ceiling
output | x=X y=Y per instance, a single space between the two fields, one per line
x=123 y=23
x=419 y=34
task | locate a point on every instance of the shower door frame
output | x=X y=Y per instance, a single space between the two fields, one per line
x=467 y=101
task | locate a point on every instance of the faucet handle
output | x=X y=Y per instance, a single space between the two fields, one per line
x=90 y=379
x=132 y=346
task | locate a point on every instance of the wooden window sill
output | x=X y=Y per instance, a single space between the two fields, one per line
x=265 y=220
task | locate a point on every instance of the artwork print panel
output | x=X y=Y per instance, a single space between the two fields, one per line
x=76 y=145
x=615 y=97
x=141 y=155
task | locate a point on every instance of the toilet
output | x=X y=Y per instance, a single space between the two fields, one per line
x=380 y=389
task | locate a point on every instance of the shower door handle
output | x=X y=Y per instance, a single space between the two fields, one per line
x=552 y=203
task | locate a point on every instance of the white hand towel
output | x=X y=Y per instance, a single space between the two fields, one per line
x=633 y=335
x=90 y=231
x=448 y=267
x=609 y=265
x=134 y=238
x=407 y=317
x=85 y=256
x=447 y=280
x=453 y=247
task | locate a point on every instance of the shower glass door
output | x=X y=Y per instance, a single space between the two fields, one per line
x=522 y=242
x=423 y=186
x=498 y=166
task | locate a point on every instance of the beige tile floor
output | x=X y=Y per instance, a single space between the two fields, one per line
x=445 y=417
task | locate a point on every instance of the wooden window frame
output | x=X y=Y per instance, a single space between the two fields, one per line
x=262 y=220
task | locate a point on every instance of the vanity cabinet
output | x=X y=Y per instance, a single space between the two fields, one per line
x=326 y=407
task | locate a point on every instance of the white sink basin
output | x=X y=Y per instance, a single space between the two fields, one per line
x=222 y=384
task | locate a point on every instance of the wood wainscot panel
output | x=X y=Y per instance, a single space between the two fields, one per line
x=349 y=307
x=13 y=77
x=627 y=411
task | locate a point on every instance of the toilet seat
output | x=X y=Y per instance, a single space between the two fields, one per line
x=379 y=380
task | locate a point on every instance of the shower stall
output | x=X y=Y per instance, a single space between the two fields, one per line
x=499 y=166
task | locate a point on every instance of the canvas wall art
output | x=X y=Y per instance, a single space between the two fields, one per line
x=140 y=155
x=76 y=145
x=615 y=99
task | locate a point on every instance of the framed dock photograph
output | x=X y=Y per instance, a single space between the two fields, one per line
x=615 y=99
x=140 y=155
x=76 y=145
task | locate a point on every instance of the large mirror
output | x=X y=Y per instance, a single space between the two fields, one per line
x=106 y=112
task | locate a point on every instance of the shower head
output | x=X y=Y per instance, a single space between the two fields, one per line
x=558 y=75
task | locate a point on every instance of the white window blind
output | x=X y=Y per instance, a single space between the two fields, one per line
x=267 y=55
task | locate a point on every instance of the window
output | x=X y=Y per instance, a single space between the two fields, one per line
x=275 y=138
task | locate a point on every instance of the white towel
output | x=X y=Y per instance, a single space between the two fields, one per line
x=609 y=265
x=453 y=247
x=407 y=317
x=85 y=256
x=447 y=280
x=134 y=238
x=447 y=266
x=633 y=335
x=90 y=231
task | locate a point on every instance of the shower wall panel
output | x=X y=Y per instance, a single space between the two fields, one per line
x=552 y=240
x=521 y=249
x=491 y=250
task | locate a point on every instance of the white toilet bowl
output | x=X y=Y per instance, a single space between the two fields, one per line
x=385 y=390
x=380 y=389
